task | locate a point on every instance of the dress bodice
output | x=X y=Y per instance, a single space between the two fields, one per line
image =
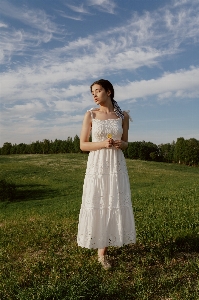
x=101 y=128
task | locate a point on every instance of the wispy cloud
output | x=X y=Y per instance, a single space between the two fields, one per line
x=39 y=30
x=64 y=15
x=11 y=42
x=107 y=6
x=54 y=84
x=79 y=9
x=184 y=2
x=20 y=83
x=35 y=18
x=183 y=24
x=125 y=48
x=3 y=25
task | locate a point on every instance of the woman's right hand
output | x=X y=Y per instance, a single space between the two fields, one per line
x=108 y=143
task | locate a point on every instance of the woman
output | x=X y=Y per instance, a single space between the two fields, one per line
x=106 y=215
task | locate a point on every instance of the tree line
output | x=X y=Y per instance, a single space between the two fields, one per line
x=182 y=151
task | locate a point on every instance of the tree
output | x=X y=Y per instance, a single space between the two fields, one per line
x=45 y=145
x=37 y=147
x=55 y=146
x=133 y=150
x=6 y=148
x=70 y=147
x=27 y=149
x=13 y=150
x=167 y=152
x=21 y=148
x=76 y=144
x=192 y=152
x=146 y=148
x=153 y=156
x=179 y=153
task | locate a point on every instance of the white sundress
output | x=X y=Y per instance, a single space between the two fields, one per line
x=106 y=214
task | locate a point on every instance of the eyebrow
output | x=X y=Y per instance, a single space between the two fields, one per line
x=95 y=90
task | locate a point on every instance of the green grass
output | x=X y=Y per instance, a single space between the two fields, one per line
x=39 y=257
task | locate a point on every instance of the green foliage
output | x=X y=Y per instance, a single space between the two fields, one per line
x=5 y=150
x=187 y=151
x=167 y=152
x=179 y=152
x=142 y=150
x=76 y=144
x=133 y=150
x=45 y=145
x=39 y=257
x=7 y=191
x=183 y=151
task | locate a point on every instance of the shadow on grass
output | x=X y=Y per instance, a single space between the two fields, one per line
x=33 y=192
x=186 y=246
x=158 y=269
x=151 y=272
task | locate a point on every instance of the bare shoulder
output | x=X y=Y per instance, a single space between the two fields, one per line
x=87 y=114
x=126 y=115
x=87 y=117
x=126 y=118
x=125 y=123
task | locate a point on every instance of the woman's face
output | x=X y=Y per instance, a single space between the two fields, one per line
x=99 y=94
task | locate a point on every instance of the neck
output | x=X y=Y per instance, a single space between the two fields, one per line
x=107 y=107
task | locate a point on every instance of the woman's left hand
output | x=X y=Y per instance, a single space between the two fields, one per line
x=119 y=144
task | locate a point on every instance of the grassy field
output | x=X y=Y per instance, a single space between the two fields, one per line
x=39 y=257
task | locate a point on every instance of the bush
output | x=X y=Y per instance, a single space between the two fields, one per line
x=7 y=191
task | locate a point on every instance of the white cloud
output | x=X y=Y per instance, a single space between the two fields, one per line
x=39 y=29
x=10 y=42
x=75 y=105
x=35 y=81
x=142 y=31
x=78 y=9
x=184 y=2
x=64 y=15
x=107 y=6
x=24 y=110
x=126 y=48
x=183 y=24
x=27 y=129
x=3 y=25
x=57 y=81
x=182 y=82
x=35 y=18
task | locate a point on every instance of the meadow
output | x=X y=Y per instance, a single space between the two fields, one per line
x=39 y=256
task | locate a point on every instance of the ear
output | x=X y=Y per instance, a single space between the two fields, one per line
x=108 y=92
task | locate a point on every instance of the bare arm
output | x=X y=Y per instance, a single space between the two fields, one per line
x=123 y=143
x=85 y=145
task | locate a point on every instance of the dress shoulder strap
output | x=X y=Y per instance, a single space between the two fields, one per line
x=91 y=111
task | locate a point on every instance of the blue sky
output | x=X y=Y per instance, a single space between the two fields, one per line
x=51 y=51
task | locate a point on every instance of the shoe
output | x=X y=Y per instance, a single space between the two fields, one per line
x=104 y=262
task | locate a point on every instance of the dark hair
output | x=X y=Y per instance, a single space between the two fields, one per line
x=109 y=87
x=106 y=85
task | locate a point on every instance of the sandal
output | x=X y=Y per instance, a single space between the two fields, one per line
x=104 y=262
